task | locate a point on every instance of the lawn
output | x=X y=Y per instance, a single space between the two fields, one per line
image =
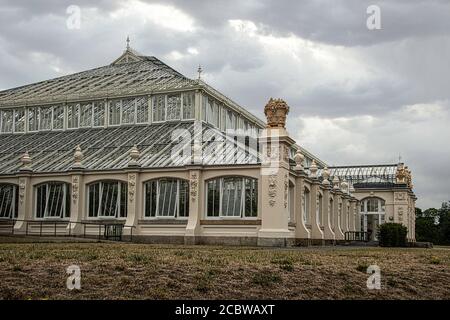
x=137 y=271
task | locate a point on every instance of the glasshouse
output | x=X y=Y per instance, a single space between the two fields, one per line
x=136 y=150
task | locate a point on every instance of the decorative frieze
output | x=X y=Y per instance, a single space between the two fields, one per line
x=75 y=188
x=272 y=193
x=131 y=186
x=22 y=186
x=194 y=186
x=286 y=190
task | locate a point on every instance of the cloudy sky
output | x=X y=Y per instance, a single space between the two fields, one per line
x=357 y=96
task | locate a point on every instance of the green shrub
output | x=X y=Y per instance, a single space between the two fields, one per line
x=392 y=235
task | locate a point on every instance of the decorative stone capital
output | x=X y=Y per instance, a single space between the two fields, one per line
x=325 y=176
x=77 y=157
x=313 y=170
x=344 y=186
x=276 y=111
x=299 y=158
x=134 y=156
x=336 y=183
x=26 y=162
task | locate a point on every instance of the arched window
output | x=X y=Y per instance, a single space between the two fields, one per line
x=166 y=198
x=107 y=199
x=373 y=205
x=331 y=212
x=9 y=201
x=52 y=200
x=305 y=201
x=235 y=197
x=319 y=209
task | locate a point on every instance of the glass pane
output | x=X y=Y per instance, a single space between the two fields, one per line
x=41 y=199
x=58 y=117
x=183 y=199
x=6 y=121
x=94 y=199
x=150 y=198
x=123 y=200
x=128 y=111
x=159 y=108
x=173 y=106
x=232 y=196
x=86 y=115
x=167 y=198
x=251 y=197
x=99 y=114
x=46 y=118
x=114 y=112
x=109 y=196
x=213 y=198
x=142 y=109
x=188 y=105
x=19 y=120
x=33 y=119
x=8 y=201
x=73 y=112
x=55 y=200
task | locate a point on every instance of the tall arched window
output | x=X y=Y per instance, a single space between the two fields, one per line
x=9 y=201
x=52 y=200
x=331 y=212
x=235 y=197
x=107 y=199
x=306 y=201
x=166 y=198
x=373 y=205
x=319 y=209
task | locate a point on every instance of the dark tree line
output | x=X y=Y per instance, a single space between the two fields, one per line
x=433 y=224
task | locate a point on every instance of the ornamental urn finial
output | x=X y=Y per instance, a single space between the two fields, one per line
x=298 y=158
x=26 y=161
x=344 y=186
x=336 y=183
x=276 y=111
x=325 y=176
x=134 y=155
x=351 y=189
x=313 y=169
x=77 y=157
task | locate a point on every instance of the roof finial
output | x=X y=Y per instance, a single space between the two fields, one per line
x=128 y=42
x=199 y=70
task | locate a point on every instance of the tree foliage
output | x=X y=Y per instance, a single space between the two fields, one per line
x=433 y=225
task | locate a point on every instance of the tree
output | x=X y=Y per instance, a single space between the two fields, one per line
x=433 y=225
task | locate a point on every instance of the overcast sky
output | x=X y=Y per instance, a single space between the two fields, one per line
x=357 y=96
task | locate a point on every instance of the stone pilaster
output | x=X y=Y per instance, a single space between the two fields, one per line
x=25 y=210
x=328 y=233
x=274 y=231
x=316 y=231
x=345 y=214
x=195 y=198
x=302 y=233
x=134 y=199
x=338 y=208
x=352 y=215
x=77 y=205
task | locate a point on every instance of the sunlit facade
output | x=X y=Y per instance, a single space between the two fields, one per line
x=171 y=159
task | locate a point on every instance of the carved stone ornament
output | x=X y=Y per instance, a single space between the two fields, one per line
x=276 y=111
x=75 y=188
x=272 y=189
x=194 y=186
x=286 y=190
x=400 y=212
x=400 y=196
x=131 y=186
x=22 y=186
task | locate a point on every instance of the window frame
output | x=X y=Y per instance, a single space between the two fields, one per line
x=242 y=215
x=65 y=206
x=118 y=215
x=157 y=216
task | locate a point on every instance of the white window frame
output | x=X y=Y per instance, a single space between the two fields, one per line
x=66 y=193
x=177 y=200
x=118 y=204
x=221 y=185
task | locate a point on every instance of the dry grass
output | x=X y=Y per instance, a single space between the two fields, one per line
x=134 y=271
